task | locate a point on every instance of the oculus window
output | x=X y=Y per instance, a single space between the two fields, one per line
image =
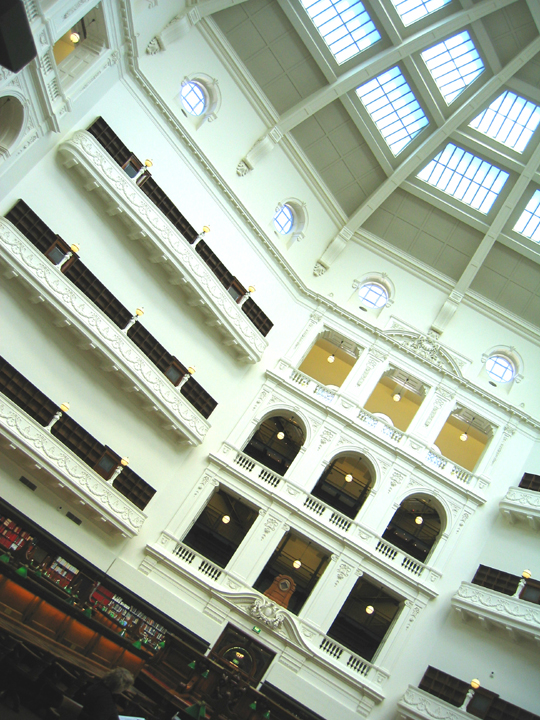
x=344 y=25
x=510 y=120
x=284 y=219
x=412 y=10
x=500 y=369
x=529 y=221
x=465 y=177
x=393 y=108
x=193 y=98
x=220 y=528
x=373 y=295
x=454 y=64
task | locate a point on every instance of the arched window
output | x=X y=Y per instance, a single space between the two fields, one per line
x=200 y=97
x=415 y=527
x=194 y=97
x=290 y=218
x=345 y=484
x=12 y=117
x=276 y=442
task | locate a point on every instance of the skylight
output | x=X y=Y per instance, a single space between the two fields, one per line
x=454 y=64
x=344 y=25
x=412 y=10
x=510 y=120
x=393 y=108
x=465 y=177
x=529 y=222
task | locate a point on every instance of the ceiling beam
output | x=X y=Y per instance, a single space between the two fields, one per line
x=424 y=152
x=488 y=241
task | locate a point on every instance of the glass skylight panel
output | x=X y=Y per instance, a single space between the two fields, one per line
x=393 y=108
x=510 y=120
x=454 y=64
x=465 y=177
x=412 y=10
x=344 y=25
x=529 y=222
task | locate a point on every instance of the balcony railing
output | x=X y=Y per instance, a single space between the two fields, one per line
x=170 y=240
x=365 y=420
x=265 y=611
x=354 y=532
x=96 y=498
x=521 y=503
x=518 y=618
x=75 y=310
x=418 y=704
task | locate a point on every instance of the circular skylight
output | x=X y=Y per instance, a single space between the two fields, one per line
x=193 y=97
x=500 y=369
x=284 y=220
x=373 y=295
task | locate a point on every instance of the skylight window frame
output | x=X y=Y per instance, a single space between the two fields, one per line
x=433 y=17
x=448 y=109
x=516 y=238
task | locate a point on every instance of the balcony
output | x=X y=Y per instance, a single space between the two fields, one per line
x=417 y=704
x=312 y=643
x=518 y=618
x=67 y=473
x=346 y=408
x=168 y=245
x=359 y=537
x=71 y=308
x=523 y=502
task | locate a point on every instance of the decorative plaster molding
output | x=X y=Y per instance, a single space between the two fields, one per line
x=157 y=233
x=419 y=705
x=79 y=313
x=70 y=472
x=518 y=618
x=522 y=504
x=272 y=615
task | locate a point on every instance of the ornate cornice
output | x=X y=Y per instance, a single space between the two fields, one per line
x=68 y=470
x=165 y=242
x=419 y=705
x=518 y=617
x=77 y=311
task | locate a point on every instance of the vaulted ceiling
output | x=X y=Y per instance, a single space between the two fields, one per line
x=379 y=192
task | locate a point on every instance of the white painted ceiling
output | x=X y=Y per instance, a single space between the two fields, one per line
x=287 y=58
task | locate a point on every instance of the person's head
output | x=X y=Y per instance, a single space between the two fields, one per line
x=118 y=680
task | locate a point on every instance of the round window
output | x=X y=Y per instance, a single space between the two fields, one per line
x=373 y=295
x=500 y=369
x=193 y=97
x=284 y=220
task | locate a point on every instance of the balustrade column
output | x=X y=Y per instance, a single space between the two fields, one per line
x=434 y=414
x=418 y=428
x=332 y=590
x=257 y=547
x=375 y=364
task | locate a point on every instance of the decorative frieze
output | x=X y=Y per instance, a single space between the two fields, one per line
x=522 y=504
x=417 y=704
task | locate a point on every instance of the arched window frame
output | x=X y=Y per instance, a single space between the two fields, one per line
x=375 y=278
x=12 y=138
x=513 y=357
x=300 y=219
x=279 y=410
x=212 y=93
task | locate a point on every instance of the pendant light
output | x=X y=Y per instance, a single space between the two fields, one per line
x=465 y=435
x=398 y=394
x=418 y=519
x=348 y=478
x=297 y=564
x=331 y=358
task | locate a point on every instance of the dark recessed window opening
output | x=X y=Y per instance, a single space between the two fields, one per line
x=364 y=619
x=292 y=572
x=415 y=527
x=344 y=485
x=220 y=528
x=276 y=442
x=107 y=463
x=529 y=481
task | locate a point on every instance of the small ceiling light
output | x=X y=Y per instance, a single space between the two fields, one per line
x=280 y=435
x=139 y=311
x=148 y=163
x=475 y=684
x=370 y=609
x=526 y=574
x=64 y=407
x=464 y=437
x=348 y=477
x=191 y=370
x=226 y=519
x=297 y=564
x=251 y=289
x=331 y=358
x=124 y=461
x=74 y=37
x=74 y=249
x=418 y=519
x=396 y=397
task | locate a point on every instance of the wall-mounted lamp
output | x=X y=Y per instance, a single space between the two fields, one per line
x=73 y=250
x=64 y=407
x=206 y=229
x=525 y=575
x=185 y=378
x=246 y=295
x=147 y=164
x=475 y=684
x=139 y=312
x=124 y=462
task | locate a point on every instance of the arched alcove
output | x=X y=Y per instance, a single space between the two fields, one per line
x=416 y=526
x=276 y=442
x=345 y=484
x=11 y=122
